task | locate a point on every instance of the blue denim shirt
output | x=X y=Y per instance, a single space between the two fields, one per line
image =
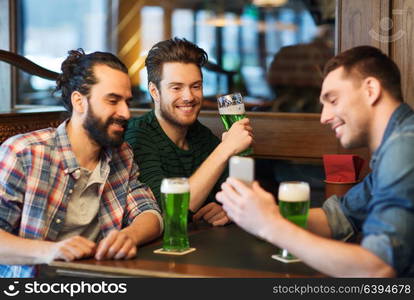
x=381 y=207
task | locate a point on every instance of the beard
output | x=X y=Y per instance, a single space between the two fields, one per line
x=174 y=120
x=167 y=116
x=359 y=139
x=356 y=143
x=98 y=130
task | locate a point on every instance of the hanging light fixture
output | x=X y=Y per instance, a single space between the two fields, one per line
x=221 y=21
x=272 y=3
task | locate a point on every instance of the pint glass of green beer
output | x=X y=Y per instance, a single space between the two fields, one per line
x=294 y=200
x=231 y=109
x=175 y=198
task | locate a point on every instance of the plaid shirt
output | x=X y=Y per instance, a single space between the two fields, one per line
x=38 y=171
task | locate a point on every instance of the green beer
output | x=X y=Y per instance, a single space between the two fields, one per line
x=228 y=120
x=296 y=212
x=294 y=201
x=231 y=109
x=175 y=198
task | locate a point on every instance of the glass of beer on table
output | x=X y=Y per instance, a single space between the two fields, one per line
x=294 y=201
x=175 y=198
x=231 y=109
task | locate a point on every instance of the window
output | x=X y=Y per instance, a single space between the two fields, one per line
x=241 y=38
x=183 y=23
x=150 y=34
x=48 y=29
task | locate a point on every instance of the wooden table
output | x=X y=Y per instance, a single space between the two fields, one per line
x=221 y=252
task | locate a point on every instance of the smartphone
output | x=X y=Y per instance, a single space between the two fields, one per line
x=242 y=168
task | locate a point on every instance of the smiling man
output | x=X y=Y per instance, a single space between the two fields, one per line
x=72 y=192
x=170 y=142
x=363 y=104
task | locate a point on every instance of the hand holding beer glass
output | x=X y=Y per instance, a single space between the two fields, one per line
x=231 y=109
x=175 y=198
x=294 y=200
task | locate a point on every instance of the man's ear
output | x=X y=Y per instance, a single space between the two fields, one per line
x=373 y=89
x=155 y=94
x=78 y=102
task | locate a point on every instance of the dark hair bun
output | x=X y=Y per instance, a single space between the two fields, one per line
x=69 y=65
x=77 y=73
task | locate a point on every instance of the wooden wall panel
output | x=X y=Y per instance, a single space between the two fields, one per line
x=360 y=24
x=288 y=136
x=402 y=41
x=285 y=136
x=277 y=136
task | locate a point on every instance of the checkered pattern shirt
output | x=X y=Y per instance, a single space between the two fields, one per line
x=38 y=171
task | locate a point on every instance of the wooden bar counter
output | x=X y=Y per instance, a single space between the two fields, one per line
x=221 y=252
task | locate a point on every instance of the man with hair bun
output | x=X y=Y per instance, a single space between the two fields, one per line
x=72 y=192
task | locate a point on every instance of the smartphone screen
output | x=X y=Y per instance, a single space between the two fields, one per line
x=242 y=168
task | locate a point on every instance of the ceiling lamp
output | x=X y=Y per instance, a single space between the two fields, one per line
x=268 y=3
x=222 y=21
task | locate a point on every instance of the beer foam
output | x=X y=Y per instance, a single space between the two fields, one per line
x=175 y=186
x=294 y=192
x=237 y=109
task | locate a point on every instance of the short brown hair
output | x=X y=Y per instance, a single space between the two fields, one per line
x=172 y=50
x=368 y=61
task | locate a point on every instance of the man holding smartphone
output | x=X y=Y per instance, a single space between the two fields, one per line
x=363 y=103
x=169 y=141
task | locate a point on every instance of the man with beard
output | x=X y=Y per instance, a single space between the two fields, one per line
x=170 y=142
x=72 y=192
x=363 y=104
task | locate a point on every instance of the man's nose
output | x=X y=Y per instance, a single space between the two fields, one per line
x=123 y=110
x=188 y=94
x=326 y=115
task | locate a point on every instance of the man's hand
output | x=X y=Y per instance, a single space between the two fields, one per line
x=75 y=247
x=213 y=214
x=239 y=137
x=117 y=245
x=253 y=208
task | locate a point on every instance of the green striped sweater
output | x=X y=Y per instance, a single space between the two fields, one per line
x=158 y=157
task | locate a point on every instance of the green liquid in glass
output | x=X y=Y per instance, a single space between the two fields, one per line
x=175 y=210
x=296 y=212
x=228 y=121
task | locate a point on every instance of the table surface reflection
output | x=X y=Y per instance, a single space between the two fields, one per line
x=221 y=252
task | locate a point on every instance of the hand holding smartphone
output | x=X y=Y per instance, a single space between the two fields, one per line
x=242 y=168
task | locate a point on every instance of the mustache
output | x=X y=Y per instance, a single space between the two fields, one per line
x=119 y=121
